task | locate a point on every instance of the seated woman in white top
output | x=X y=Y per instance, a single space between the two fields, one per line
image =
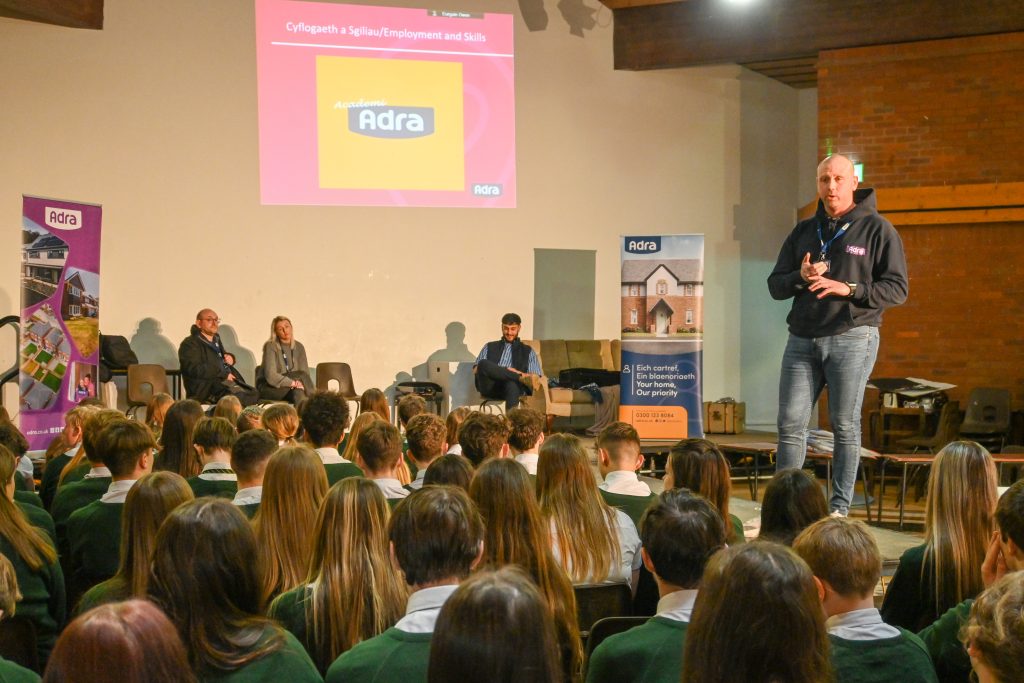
x=284 y=372
x=595 y=543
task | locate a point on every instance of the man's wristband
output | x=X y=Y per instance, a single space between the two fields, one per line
x=853 y=289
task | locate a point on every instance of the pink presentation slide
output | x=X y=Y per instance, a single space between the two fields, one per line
x=383 y=106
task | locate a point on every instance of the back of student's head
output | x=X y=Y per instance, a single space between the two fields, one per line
x=13 y=439
x=123 y=443
x=26 y=540
x=843 y=553
x=76 y=417
x=409 y=407
x=228 y=407
x=425 y=433
x=324 y=417
x=495 y=627
x=757 y=619
x=281 y=420
x=176 y=452
x=147 y=505
x=250 y=453
x=1010 y=514
x=251 y=417
x=375 y=401
x=503 y=492
x=156 y=410
x=994 y=634
x=482 y=437
x=680 y=532
x=525 y=425
x=792 y=502
x=380 y=446
x=94 y=424
x=133 y=637
x=10 y=596
x=698 y=464
x=214 y=434
x=450 y=470
x=622 y=442
x=453 y=422
x=206 y=575
x=437 y=533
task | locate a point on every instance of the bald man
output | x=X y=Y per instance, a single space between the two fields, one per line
x=206 y=368
x=842 y=268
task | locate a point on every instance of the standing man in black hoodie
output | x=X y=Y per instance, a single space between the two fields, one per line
x=843 y=268
x=206 y=368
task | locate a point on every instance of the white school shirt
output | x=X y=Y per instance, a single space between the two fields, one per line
x=626 y=483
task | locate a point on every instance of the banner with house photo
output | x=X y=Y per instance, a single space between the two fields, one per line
x=60 y=298
x=662 y=299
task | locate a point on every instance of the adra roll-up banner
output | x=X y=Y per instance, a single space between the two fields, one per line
x=60 y=302
x=662 y=300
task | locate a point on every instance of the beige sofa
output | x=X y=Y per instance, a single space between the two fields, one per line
x=561 y=354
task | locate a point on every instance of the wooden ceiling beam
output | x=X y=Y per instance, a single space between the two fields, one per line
x=698 y=32
x=73 y=13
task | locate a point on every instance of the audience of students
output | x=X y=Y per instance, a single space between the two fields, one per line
x=680 y=531
x=213 y=438
x=792 y=502
x=483 y=437
x=495 y=627
x=424 y=435
x=379 y=456
x=436 y=537
x=349 y=594
x=450 y=470
x=618 y=459
x=515 y=534
x=67 y=446
x=294 y=486
x=698 y=464
x=946 y=569
x=757 y=619
x=847 y=565
x=147 y=505
x=206 y=576
x=324 y=417
x=593 y=541
x=526 y=434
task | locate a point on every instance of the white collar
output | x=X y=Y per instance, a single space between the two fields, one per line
x=678 y=605
x=625 y=482
x=391 y=488
x=529 y=461
x=860 y=624
x=330 y=456
x=248 y=495
x=217 y=476
x=423 y=607
x=97 y=472
x=118 y=491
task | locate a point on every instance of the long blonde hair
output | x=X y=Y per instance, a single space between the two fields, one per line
x=361 y=422
x=148 y=503
x=281 y=420
x=584 y=525
x=294 y=485
x=515 y=533
x=27 y=541
x=961 y=503
x=355 y=594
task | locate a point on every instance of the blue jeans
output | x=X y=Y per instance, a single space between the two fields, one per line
x=842 y=362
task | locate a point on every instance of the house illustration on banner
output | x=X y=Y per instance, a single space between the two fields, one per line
x=662 y=297
x=77 y=301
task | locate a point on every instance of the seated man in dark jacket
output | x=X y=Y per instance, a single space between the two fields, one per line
x=206 y=367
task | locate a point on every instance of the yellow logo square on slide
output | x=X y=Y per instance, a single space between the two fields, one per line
x=374 y=123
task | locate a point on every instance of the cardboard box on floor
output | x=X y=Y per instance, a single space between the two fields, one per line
x=724 y=417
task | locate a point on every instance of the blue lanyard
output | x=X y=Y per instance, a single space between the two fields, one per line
x=825 y=245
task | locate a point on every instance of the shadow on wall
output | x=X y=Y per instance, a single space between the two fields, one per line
x=577 y=14
x=459 y=360
x=151 y=346
x=245 y=359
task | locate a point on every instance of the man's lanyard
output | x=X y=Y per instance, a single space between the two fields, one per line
x=823 y=256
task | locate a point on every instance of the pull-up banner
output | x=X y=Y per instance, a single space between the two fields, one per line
x=60 y=307
x=662 y=300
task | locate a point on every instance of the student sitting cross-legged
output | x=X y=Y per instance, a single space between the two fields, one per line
x=94 y=531
x=324 y=418
x=847 y=565
x=436 y=539
x=618 y=459
x=680 y=533
x=425 y=435
x=249 y=457
x=379 y=455
x=213 y=438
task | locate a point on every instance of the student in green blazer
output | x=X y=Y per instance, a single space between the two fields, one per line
x=212 y=439
x=324 y=418
x=249 y=457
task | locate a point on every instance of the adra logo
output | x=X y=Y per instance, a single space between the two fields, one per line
x=643 y=245
x=391 y=122
x=62 y=219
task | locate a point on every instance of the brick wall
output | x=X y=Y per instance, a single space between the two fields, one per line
x=932 y=114
x=929 y=113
